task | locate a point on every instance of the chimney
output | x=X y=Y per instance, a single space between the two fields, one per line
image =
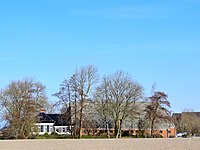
x=42 y=110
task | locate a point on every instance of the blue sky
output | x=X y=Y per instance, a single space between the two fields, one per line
x=155 y=41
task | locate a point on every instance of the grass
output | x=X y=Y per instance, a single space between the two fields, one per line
x=95 y=137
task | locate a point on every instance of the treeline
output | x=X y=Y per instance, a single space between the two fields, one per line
x=114 y=98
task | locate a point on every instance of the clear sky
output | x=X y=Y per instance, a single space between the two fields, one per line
x=156 y=41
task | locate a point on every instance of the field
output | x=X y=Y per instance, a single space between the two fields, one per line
x=103 y=144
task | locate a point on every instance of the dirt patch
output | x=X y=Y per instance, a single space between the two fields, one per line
x=103 y=144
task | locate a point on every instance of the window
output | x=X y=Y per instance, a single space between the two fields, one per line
x=42 y=128
x=132 y=131
x=58 y=130
x=47 y=128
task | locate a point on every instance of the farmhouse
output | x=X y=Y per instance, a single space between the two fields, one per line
x=49 y=123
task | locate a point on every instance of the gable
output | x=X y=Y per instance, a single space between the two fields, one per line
x=44 y=118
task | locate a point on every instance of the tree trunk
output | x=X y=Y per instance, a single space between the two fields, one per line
x=152 y=124
x=120 y=128
x=119 y=134
x=70 y=114
x=81 y=122
x=75 y=123
x=108 y=130
x=116 y=127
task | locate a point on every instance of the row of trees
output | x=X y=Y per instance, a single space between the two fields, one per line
x=114 y=98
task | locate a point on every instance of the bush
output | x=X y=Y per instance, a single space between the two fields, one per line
x=2 y=137
x=157 y=136
x=184 y=135
x=46 y=134
x=171 y=136
x=33 y=136
x=54 y=134
x=95 y=137
x=140 y=136
x=101 y=133
x=125 y=133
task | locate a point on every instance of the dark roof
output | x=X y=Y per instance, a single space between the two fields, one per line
x=44 y=118
x=57 y=119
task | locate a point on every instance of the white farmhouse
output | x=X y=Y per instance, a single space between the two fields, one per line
x=49 y=123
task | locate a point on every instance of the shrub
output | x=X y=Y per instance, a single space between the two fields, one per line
x=54 y=134
x=125 y=133
x=46 y=134
x=171 y=136
x=157 y=136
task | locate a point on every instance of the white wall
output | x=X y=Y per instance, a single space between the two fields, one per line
x=62 y=130
x=44 y=127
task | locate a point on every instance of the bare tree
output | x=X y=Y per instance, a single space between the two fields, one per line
x=85 y=79
x=117 y=95
x=64 y=96
x=157 y=109
x=141 y=127
x=74 y=99
x=190 y=122
x=50 y=107
x=74 y=93
x=69 y=98
x=21 y=101
x=101 y=98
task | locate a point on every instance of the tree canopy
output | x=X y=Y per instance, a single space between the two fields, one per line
x=21 y=101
